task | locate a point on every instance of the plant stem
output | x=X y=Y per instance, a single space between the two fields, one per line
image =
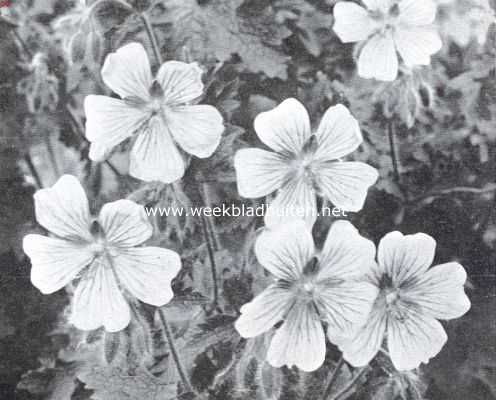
x=342 y=394
x=393 y=149
x=32 y=169
x=174 y=353
x=211 y=256
x=333 y=378
x=152 y=37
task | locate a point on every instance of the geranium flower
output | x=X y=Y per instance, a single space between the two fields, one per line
x=387 y=27
x=411 y=300
x=309 y=289
x=303 y=164
x=101 y=253
x=154 y=111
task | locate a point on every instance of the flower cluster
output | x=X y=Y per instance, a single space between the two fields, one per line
x=360 y=302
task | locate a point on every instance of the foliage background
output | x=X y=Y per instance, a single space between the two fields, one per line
x=256 y=53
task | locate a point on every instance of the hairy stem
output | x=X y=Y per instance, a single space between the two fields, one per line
x=152 y=37
x=393 y=149
x=344 y=392
x=174 y=353
x=32 y=169
x=333 y=378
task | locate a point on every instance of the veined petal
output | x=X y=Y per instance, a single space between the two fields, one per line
x=417 y=12
x=285 y=250
x=338 y=134
x=55 y=262
x=415 y=339
x=295 y=200
x=109 y=122
x=284 y=129
x=378 y=58
x=346 y=184
x=127 y=71
x=155 y=156
x=181 y=82
x=346 y=254
x=345 y=305
x=264 y=311
x=362 y=346
x=259 y=172
x=299 y=341
x=147 y=273
x=417 y=44
x=405 y=257
x=63 y=209
x=125 y=223
x=352 y=22
x=98 y=301
x=439 y=292
x=197 y=129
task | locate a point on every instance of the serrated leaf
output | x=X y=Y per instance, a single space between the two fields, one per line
x=217 y=28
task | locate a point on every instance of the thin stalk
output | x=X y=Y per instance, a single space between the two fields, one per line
x=32 y=169
x=174 y=353
x=23 y=44
x=342 y=394
x=333 y=378
x=393 y=149
x=152 y=37
x=213 y=265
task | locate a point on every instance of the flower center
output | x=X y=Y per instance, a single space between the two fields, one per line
x=386 y=20
x=303 y=166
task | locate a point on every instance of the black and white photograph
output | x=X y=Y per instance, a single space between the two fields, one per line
x=247 y=199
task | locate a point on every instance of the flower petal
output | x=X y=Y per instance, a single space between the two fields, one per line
x=127 y=72
x=109 y=122
x=417 y=12
x=285 y=250
x=284 y=129
x=416 y=45
x=352 y=22
x=362 y=346
x=295 y=200
x=98 y=301
x=125 y=223
x=440 y=292
x=345 y=305
x=264 y=311
x=378 y=58
x=55 y=262
x=147 y=273
x=180 y=82
x=414 y=339
x=259 y=172
x=346 y=254
x=405 y=257
x=299 y=341
x=338 y=134
x=197 y=129
x=346 y=184
x=63 y=209
x=155 y=156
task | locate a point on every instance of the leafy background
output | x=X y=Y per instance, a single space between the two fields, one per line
x=255 y=53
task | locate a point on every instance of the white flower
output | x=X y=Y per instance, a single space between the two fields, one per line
x=412 y=297
x=309 y=288
x=102 y=253
x=466 y=20
x=156 y=111
x=303 y=164
x=387 y=27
